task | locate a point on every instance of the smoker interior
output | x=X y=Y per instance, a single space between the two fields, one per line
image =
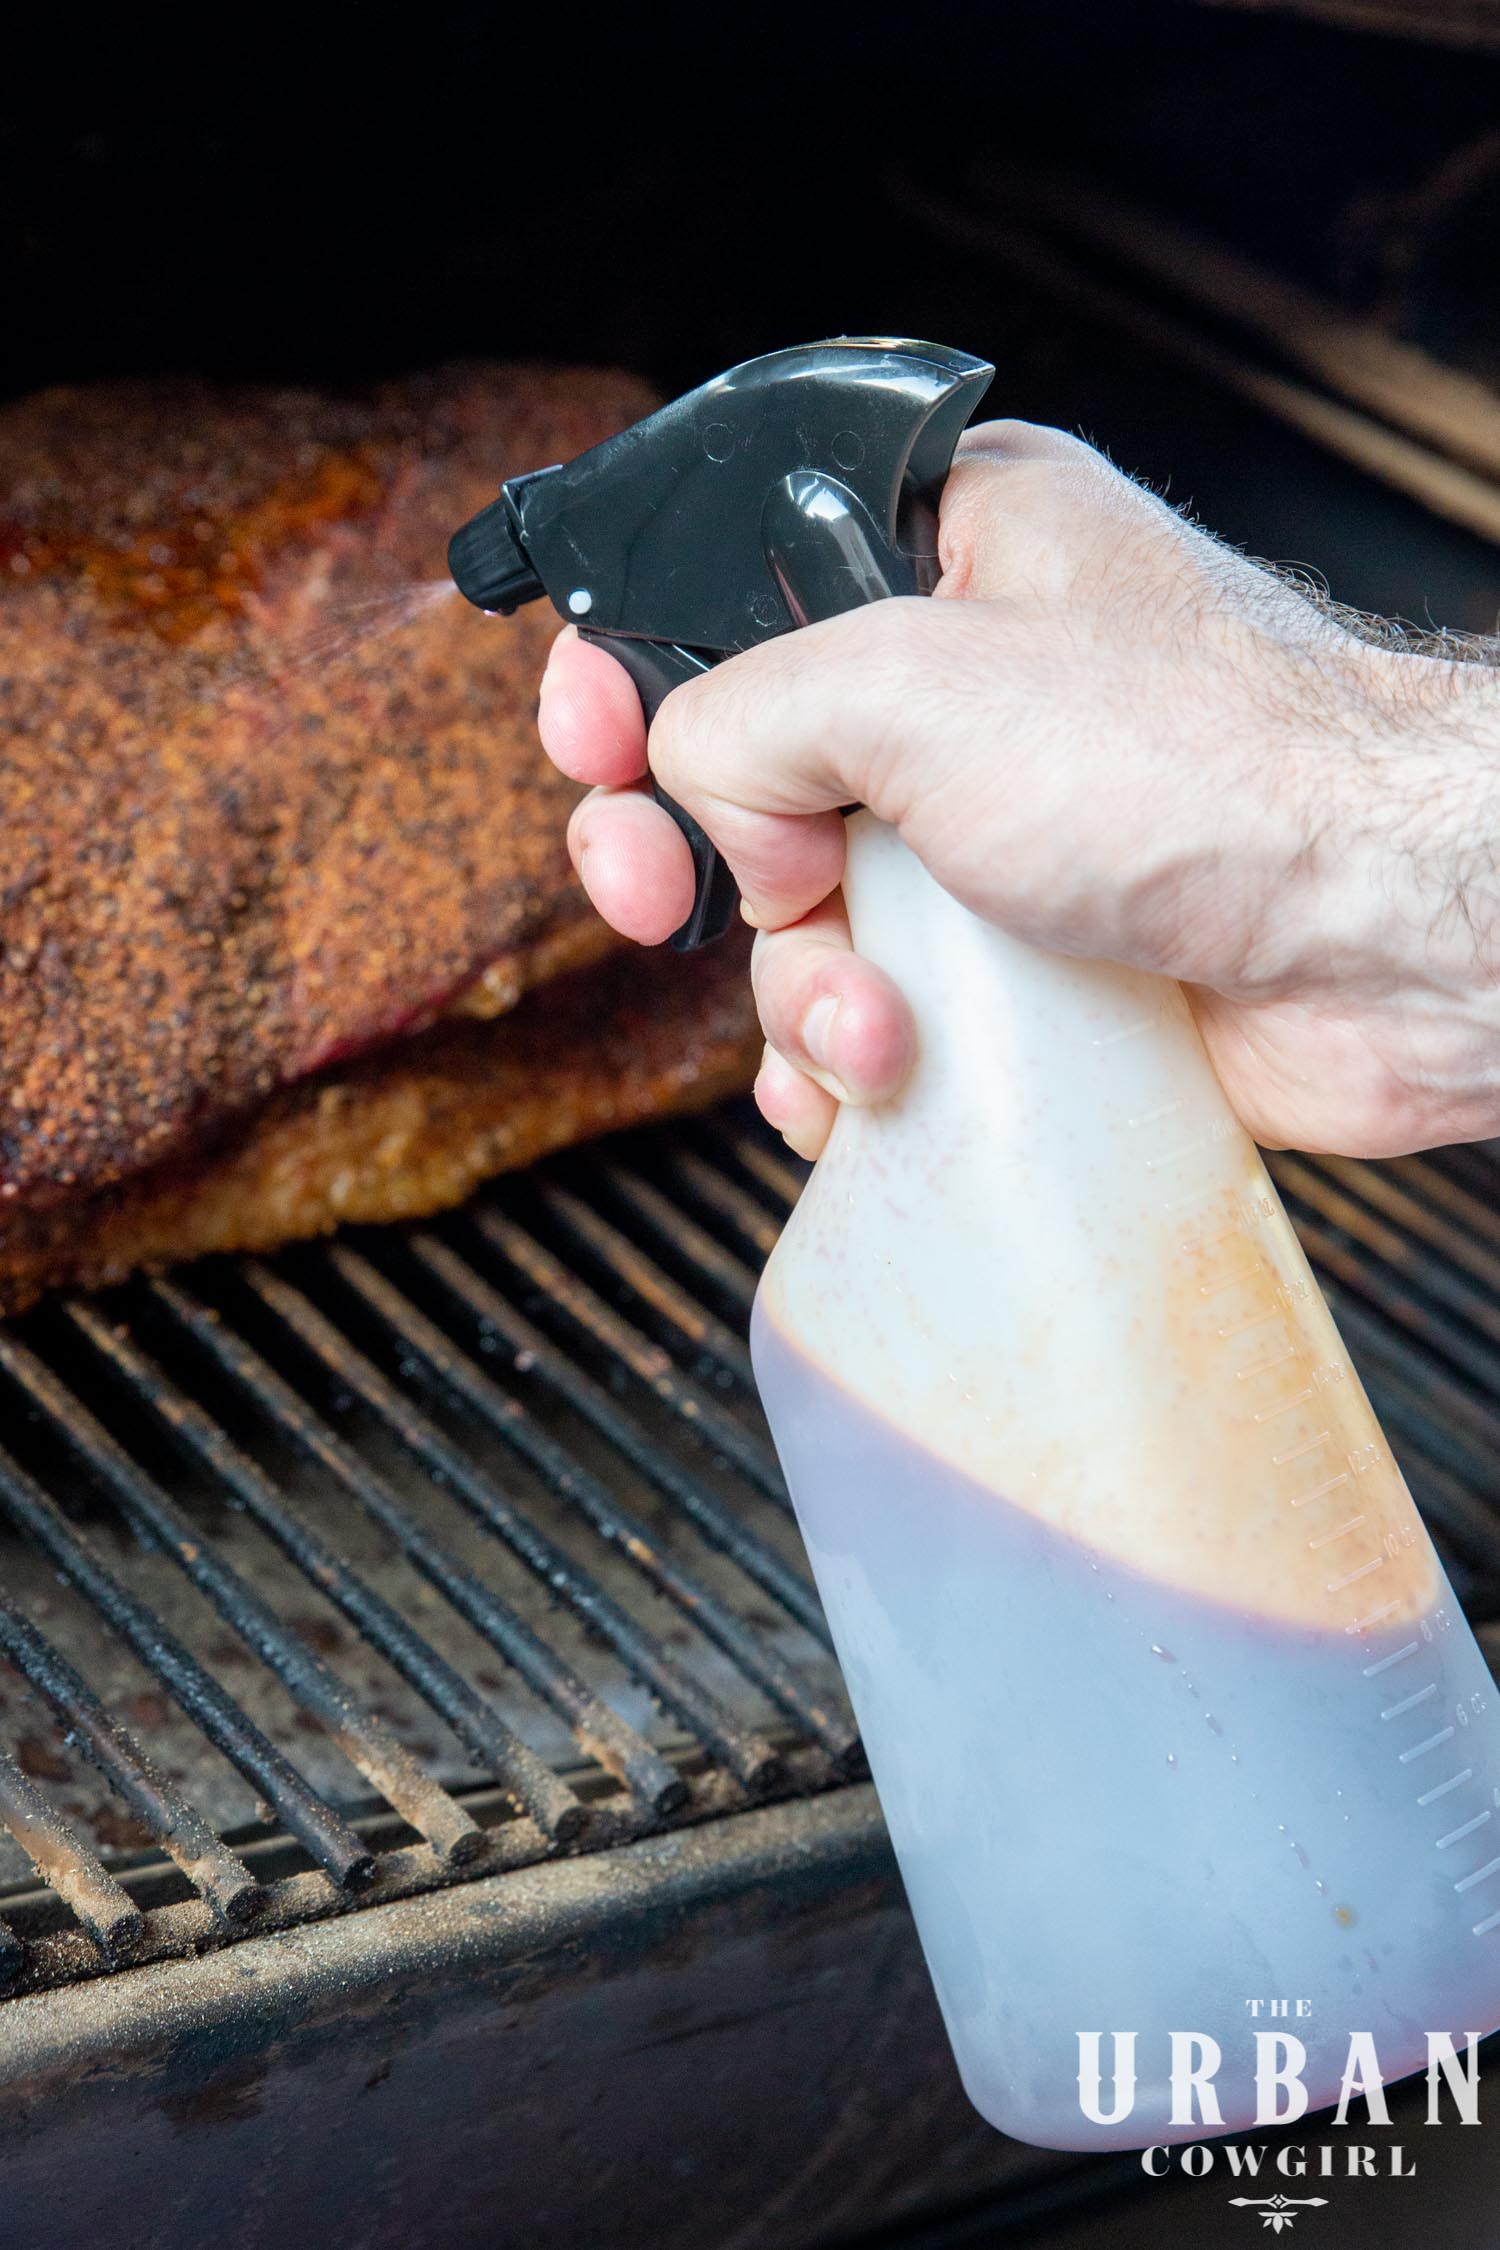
x=297 y=1553
x=436 y=1551
x=439 y=1548
x=429 y=1810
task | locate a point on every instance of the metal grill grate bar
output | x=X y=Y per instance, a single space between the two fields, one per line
x=646 y=1361
x=600 y=1733
x=329 y=1839
x=1434 y=1209
x=724 y=1196
x=692 y=1321
x=12 y=1957
x=718 y=1523
x=585 y=1325
x=369 y=1747
x=209 y=1865
x=747 y=1756
x=773 y=1171
x=726 y=1272
x=472 y=1719
x=1318 y=1192
x=510 y=1421
x=63 y=1859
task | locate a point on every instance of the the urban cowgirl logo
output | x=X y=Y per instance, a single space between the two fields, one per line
x=1278 y=2211
x=1275 y=2066
x=1181 y=2094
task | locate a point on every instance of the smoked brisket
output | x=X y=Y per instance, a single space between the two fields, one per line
x=276 y=835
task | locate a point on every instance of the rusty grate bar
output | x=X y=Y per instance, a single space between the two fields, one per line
x=216 y=1430
x=328 y=1838
x=62 y=1858
x=527 y=1433
x=213 y=1870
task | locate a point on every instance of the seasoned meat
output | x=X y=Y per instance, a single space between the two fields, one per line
x=268 y=793
x=414 y=1127
x=276 y=834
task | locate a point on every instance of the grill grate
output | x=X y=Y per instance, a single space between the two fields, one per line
x=439 y=1549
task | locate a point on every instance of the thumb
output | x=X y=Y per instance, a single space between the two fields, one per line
x=763 y=750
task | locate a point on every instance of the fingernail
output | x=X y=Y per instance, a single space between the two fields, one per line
x=817 y=1027
x=817 y=1042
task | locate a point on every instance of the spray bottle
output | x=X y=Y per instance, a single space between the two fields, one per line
x=1189 y=1757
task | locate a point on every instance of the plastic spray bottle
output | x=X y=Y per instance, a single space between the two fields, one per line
x=1178 y=1729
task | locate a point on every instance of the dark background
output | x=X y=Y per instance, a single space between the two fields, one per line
x=370 y=189
x=367 y=190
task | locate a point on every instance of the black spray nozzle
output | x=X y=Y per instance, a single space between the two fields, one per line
x=488 y=563
x=791 y=488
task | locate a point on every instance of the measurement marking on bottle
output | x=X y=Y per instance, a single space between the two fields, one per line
x=1366 y=1466
x=1329 y=1537
x=1363 y=1624
x=1274 y=1413
x=1446 y=1788
x=1186 y=1202
x=1352 y=1577
x=1457 y=1835
x=1243 y=1327
x=1176 y=1155
x=1410 y=1702
x=1212 y=1289
x=1154 y=1116
x=1130 y=1030
x=1389 y=1663
x=1295 y=1452
x=1232 y=1233
x=1330 y=1484
x=1433 y=1742
x=1264 y=1366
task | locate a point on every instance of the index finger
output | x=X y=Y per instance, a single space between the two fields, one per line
x=589 y=715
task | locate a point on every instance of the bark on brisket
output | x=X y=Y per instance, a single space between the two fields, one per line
x=413 y=1128
x=259 y=812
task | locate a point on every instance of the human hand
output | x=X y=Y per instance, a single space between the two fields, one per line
x=1114 y=738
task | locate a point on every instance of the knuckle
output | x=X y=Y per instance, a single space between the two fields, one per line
x=675 y=747
x=1018 y=440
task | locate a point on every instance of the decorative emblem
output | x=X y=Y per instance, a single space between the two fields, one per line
x=1277 y=2211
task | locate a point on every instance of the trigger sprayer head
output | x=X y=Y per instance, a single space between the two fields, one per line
x=788 y=489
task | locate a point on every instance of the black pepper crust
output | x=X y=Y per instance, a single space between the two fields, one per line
x=267 y=796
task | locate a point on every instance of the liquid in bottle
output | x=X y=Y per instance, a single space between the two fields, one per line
x=1166 y=1697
